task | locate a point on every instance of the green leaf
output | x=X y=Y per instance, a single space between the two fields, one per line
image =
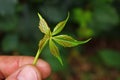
x=59 y=27
x=43 y=42
x=68 y=41
x=43 y=26
x=111 y=58
x=54 y=50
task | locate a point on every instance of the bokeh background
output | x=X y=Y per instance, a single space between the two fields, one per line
x=99 y=59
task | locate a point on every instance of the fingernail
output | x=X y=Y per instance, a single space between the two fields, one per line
x=27 y=73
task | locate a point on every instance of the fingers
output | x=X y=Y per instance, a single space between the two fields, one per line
x=9 y=64
x=27 y=72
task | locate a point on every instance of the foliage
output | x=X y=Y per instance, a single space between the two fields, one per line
x=99 y=19
x=64 y=40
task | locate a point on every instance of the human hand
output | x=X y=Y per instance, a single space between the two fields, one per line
x=21 y=68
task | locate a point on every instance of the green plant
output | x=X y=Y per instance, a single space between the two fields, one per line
x=52 y=37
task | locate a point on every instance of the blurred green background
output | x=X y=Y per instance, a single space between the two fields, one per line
x=99 y=59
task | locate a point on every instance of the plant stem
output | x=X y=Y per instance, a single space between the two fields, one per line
x=42 y=44
x=37 y=56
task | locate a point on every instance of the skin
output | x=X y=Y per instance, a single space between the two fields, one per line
x=10 y=64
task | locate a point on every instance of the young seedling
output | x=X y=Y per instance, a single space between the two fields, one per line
x=52 y=37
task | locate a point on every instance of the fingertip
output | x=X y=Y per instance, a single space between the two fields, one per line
x=42 y=65
x=26 y=72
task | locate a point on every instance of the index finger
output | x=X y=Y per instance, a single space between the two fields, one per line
x=9 y=64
